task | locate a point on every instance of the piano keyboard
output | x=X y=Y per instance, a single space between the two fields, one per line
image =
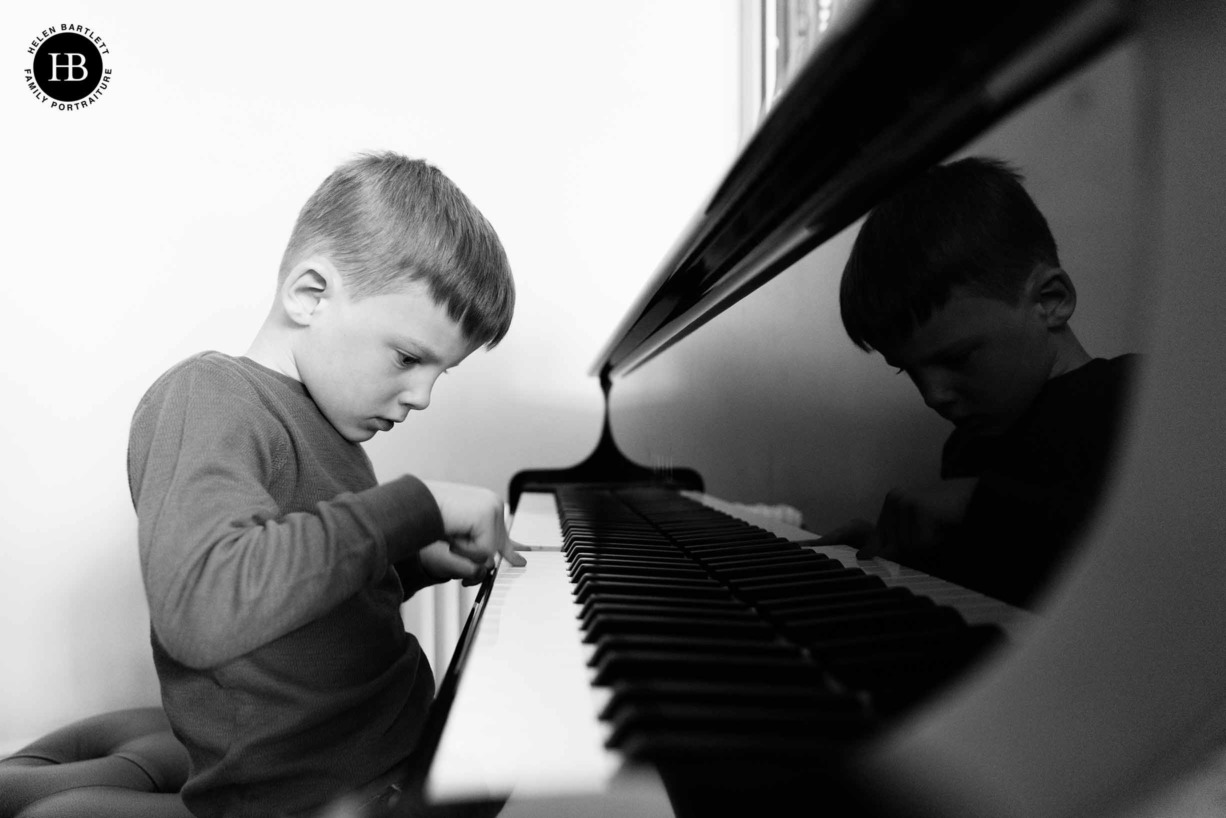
x=700 y=633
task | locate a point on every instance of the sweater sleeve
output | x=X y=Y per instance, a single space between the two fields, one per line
x=225 y=570
x=1016 y=535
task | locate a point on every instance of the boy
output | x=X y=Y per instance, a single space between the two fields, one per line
x=956 y=281
x=274 y=565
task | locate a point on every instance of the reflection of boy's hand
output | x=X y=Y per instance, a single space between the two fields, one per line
x=474 y=526
x=859 y=534
x=914 y=520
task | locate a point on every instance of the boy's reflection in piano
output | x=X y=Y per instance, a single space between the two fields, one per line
x=957 y=282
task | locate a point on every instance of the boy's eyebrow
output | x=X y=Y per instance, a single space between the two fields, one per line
x=953 y=349
x=956 y=348
x=419 y=348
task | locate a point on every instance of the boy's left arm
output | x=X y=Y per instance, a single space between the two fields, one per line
x=413 y=576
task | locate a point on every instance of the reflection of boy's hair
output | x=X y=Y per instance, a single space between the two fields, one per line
x=968 y=224
x=386 y=220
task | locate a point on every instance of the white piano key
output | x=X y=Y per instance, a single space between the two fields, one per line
x=975 y=608
x=524 y=715
x=535 y=525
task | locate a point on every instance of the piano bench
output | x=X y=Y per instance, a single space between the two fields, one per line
x=121 y=764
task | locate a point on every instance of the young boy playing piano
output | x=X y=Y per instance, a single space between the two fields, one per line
x=273 y=563
x=956 y=281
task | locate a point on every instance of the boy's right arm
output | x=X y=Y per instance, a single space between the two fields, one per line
x=475 y=531
x=225 y=570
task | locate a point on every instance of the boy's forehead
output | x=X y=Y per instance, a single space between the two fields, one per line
x=962 y=320
x=410 y=316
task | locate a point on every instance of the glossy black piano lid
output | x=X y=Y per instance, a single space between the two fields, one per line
x=894 y=86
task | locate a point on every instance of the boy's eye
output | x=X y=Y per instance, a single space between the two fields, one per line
x=404 y=360
x=958 y=361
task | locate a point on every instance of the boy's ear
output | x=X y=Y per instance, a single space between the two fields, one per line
x=1053 y=295
x=307 y=288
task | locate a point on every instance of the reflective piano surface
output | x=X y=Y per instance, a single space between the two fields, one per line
x=1114 y=692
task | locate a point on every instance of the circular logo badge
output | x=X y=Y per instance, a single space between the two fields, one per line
x=68 y=67
x=68 y=72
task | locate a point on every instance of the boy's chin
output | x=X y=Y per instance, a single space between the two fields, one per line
x=981 y=425
x=356 y=433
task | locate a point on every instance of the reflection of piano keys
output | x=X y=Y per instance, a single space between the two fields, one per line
x=525 y=713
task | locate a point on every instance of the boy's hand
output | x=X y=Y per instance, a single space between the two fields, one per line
x=915 y=520
x=474 y=525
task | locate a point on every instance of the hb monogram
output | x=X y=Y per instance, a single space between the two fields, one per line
x=71 y=65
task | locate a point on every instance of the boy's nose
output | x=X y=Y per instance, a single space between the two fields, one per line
x=937 y=392
x=416 y=396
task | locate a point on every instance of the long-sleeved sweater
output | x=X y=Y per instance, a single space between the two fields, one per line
x=1038 y=484
x=267 y=551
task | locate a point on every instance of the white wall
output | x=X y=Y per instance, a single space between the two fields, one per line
x=150 y=226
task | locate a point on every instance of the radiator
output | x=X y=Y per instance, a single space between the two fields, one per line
x=436 y=615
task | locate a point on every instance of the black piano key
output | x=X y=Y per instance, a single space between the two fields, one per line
x=728 y=645
x=663 y=558
x=782 y=564
x=713 y=560
x=604 y=532
x=624 y=551
x=587 y=586
x=695 y=519
x=759 y=558
x=696 y=625
x=631 y=572
x=713 y=536
x=710 y=550
x=874 y=604
x=729 y=729
x=774 y=575
x=824 y=716
x=692 y=747
x=798 y=605
x=836 y=582
x=600 y=531
x=872 y=624
x=597 y=536
x=741 y=614
x=589 y=553
x=771 y=578
x=831 y=649
x=676 y=588
x=714 y=666
x=816 y=698
x=695 y=605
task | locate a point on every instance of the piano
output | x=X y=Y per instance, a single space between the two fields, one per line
x=624 y=670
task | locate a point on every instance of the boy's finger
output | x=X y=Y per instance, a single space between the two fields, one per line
x=871 y=548
x=511 y=554
x=447 y=565
x=855 y=533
